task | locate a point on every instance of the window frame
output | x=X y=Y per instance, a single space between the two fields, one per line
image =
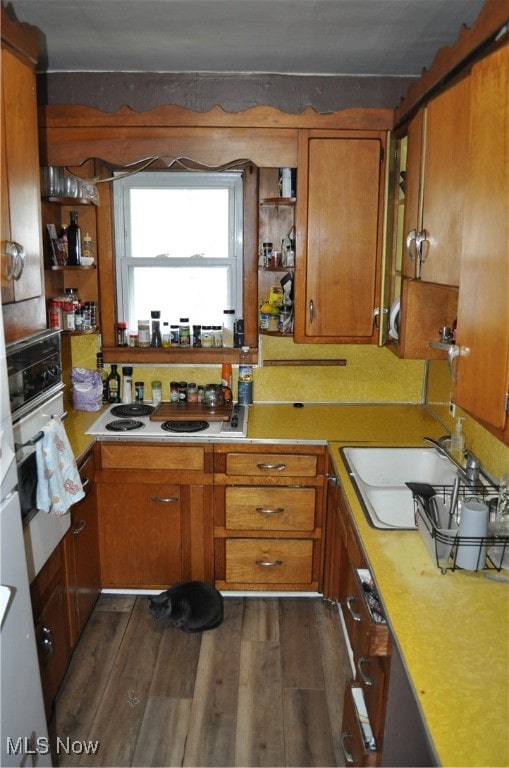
x=125 y=263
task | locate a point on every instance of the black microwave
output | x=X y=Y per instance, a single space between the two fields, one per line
x=34 y=369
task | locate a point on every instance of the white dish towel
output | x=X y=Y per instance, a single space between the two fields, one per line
x=58 y=481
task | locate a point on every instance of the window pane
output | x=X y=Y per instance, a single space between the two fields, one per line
x=179 y=222
x=201 y=295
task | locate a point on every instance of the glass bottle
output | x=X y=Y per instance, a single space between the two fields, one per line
x=74 y=241
x=185 y=332
x=245 y=384
x=166 y=335
x=103 y=375
x=113 y=385
x=156 y=339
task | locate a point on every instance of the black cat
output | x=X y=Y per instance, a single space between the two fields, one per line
x=193 y=606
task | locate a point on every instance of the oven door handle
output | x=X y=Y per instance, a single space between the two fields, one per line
x=35 y=439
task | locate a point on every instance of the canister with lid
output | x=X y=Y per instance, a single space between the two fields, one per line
x=144 y=333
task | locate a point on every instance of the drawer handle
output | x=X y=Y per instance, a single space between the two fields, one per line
x=85 y=481
x=163 y=499
x=349 y=600
x=269 y=563
x=267 y=511
x=47 y=644
x=349 y=759
x=365 y=679
x=79 y=529
x=279 y=467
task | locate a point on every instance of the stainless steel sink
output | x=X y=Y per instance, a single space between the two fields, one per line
x=379 y=476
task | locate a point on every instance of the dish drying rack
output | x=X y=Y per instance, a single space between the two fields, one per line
x=443 y=543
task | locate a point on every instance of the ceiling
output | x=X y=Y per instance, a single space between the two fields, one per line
x=306 y=37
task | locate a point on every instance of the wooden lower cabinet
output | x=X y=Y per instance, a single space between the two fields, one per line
x=81 y=548
x=49 y=605
x=370 y=641
x=155 y=514
x=268 y=512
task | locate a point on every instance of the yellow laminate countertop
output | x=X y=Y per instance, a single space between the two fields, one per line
x=452 y=629
x=453 y=633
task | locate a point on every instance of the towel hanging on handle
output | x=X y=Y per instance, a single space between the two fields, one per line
x=58 y=481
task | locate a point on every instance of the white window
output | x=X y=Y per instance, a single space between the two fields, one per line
x=178 y=240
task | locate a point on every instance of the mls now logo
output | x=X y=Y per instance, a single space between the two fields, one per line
x=30 y=745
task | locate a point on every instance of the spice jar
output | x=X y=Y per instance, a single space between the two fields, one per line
x=121 y=334
x=185 y=332
x=192 y=392
x=207 y=338
x=174 y=391
x=144 y=333
x=139 y=387
x=157 y=392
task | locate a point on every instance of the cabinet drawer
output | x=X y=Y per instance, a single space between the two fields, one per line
x=134 y=456
x=271 y=464
x=259 y=561
x=357 y=746
x=367 y=637
x=269 y=508
x=373 y=678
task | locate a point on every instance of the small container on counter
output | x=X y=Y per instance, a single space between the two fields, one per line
x=133 y=339
x=174 y=391
x=192 y=392
x=207 y=337
x=174 y=335
x=157 y=392
x=182 y=391
x=139 y=388
x=55 y=319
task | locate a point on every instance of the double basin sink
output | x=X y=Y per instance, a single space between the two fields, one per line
x=380 y=476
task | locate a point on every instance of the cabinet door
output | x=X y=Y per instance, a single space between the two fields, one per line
x=52 y=646
x=412 y=220
x=82 y=555
x=140 y=534
x=483 y=311
x=20 y=177
x=445 y=168
x=338 y=272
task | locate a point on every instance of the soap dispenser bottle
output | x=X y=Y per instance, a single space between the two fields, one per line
x=458 y=441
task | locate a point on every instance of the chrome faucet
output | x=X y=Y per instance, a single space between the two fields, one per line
x=471 y=470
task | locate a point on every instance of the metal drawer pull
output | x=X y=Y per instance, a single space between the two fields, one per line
x=267 y=511
x=349 y=600
x=85 y=481
x=311 y=310
x=365 y=679
x=269 y=563
x=81 y=526
x=163 y=499
x=271 y=466
x=349 y=759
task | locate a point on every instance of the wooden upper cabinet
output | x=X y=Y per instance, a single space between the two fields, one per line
x=483 y=311
x=21 y=211
x=435 y=187
x=339 y=218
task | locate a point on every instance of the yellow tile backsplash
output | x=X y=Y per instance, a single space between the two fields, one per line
x=371 y=375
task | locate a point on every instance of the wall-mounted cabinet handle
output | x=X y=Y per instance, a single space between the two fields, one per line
x=17 y=255
x=279 y=467
x=269 y=511
x=422 y=245
x=365 y=679
x=349 y=600
x=164 y=499
x=411 y=244
x=349 y=758
x=311 y=310
x=269 y=563
x=81 y=526
x=455 y=351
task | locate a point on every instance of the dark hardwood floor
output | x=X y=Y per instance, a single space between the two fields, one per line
x=263 y=689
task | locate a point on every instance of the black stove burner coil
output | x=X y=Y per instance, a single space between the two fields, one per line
x=124 y=425
x=193 y=425
x=129 y=410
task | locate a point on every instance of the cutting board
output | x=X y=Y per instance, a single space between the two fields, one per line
x=166 y=411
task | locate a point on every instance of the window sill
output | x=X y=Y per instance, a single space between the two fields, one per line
x=174 y=355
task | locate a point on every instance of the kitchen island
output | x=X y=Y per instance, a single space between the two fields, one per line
x=452 y=629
